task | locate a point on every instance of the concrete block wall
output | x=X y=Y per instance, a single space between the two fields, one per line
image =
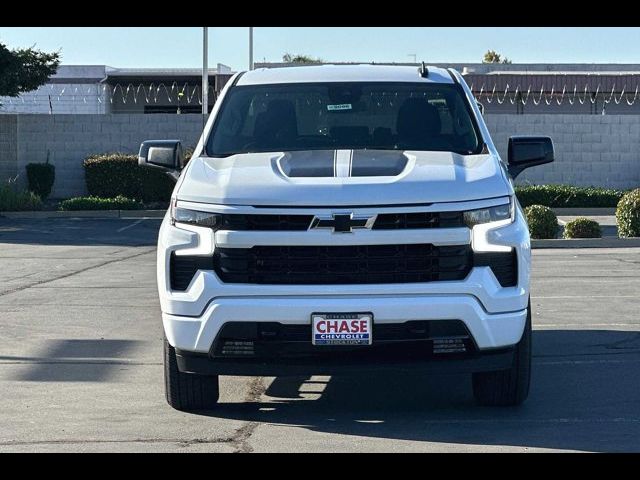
x=591 y=150
x=8 y=146
x=599 y=150
x=69 y=139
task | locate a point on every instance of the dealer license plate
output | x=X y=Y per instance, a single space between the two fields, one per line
x=342 y=328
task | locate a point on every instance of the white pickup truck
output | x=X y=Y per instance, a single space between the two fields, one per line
x=345 y=220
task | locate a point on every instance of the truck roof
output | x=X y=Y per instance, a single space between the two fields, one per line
x=343 y=73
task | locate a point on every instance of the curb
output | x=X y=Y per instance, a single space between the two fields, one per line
x=142 y=213
x=607 y=242
x=87 y=214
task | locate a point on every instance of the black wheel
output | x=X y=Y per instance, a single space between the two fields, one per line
x=507 y=387
x=187 y=391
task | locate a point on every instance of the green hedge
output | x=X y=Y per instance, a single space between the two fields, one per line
x=98 y=203
x=114 y=174
x=582 y=227
x=17 y=200
x=558 y=196
x=628 y=214
x=542 y=222
x=41 y=177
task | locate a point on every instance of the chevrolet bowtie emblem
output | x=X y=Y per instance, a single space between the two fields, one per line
x=343 y=222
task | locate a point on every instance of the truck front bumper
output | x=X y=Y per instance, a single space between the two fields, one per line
x=488 y=330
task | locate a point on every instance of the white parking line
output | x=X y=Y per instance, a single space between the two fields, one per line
x=120 y=230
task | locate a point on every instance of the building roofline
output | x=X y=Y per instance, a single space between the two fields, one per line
x=91 y=73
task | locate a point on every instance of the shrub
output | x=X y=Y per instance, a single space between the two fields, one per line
x=556 y=196
x=15 y=200
x=628 y=214
x=582 y=227
x=98 y=203
x=542 y=221
x=116 y=174
x=40 y=177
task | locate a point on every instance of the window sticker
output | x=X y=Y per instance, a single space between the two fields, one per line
x=341 y=106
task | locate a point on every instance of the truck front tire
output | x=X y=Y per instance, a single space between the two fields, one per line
x=187 y=391
x=507 y=387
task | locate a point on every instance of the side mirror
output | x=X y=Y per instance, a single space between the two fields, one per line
x=165 y=154
x=528 y=151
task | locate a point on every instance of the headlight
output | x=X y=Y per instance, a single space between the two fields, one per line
x=194 y=217
x=490 y=214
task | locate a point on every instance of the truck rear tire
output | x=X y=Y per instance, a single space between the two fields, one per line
x=187 y=391
x=507 y=387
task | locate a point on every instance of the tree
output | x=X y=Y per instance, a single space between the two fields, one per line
x=494 y=57
x=25 y=69
x=299 y=58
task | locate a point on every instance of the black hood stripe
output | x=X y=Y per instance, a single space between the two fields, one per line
x=377 y=163
x=362 y=163
x=309 y=163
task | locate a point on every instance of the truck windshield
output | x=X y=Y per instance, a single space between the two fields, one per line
x=313 y=116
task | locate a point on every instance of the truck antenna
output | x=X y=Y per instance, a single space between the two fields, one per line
x=423 y=70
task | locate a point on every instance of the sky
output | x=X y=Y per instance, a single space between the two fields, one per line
x=182 y=47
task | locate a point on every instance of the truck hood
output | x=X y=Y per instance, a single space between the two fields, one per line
x=342 y=178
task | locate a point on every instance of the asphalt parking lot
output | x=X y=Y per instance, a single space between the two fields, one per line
x=81 y=364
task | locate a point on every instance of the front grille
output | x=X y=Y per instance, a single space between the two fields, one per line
x=392 y=221
x=334 y=265
x=346 y=265
x=504 y=266
x=384 y=221
x=266 y=222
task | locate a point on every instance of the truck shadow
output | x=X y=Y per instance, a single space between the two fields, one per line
x=584 y=396
x=76 y=360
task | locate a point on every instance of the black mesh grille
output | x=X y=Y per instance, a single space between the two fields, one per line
x=344 y=265
x=266 y=222
x=391 y=221
x=504 y=266
x=332 y=265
